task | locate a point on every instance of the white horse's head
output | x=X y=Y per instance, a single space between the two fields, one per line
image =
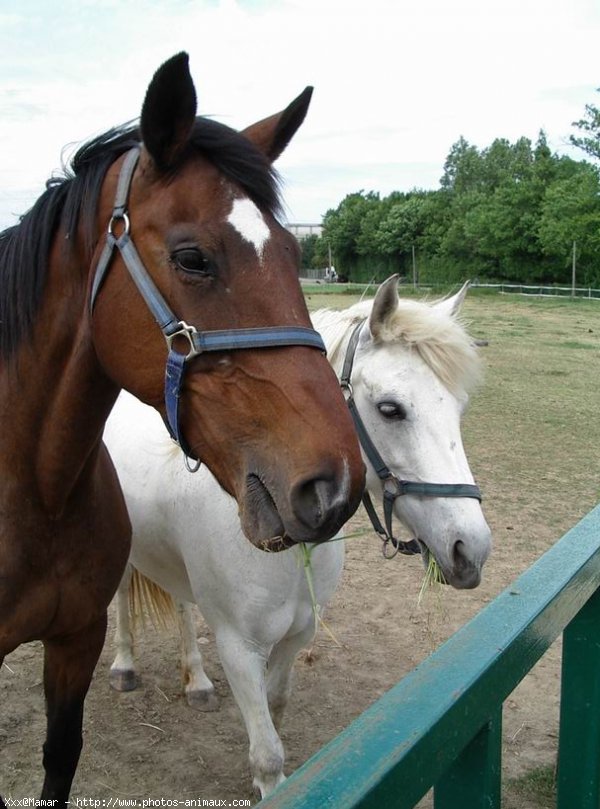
x=413 y=369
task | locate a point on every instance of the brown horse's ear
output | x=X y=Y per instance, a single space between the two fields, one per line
x=169 y=112
x=385 y=304
x=272 y=135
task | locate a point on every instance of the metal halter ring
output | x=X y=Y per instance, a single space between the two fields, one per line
x=115 y=218
x=388 y=541
x=191 y=467
x=186 y=332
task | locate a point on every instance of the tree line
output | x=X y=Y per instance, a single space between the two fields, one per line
x=508 y=212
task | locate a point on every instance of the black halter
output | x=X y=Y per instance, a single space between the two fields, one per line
x=171 y=327
x=392 y=486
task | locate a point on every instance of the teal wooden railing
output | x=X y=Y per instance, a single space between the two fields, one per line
x=441 y=725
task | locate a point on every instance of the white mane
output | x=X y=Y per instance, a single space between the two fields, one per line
x=440 y=338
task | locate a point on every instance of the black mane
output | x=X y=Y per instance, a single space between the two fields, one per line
x=70 y=201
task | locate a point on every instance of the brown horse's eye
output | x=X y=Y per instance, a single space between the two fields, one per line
x=192 y=260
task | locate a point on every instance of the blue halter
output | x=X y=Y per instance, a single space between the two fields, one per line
x=172 y=328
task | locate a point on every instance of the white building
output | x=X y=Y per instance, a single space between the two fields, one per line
x=302 y=229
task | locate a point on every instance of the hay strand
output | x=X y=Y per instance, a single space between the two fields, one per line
x=305 y=555
x=433 y=577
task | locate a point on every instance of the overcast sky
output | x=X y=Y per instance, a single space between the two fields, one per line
x=397 y=82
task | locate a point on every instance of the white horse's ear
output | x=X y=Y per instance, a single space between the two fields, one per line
x=385 y=304
x=452 y=305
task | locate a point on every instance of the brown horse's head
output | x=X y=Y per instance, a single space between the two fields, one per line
x=270 y=423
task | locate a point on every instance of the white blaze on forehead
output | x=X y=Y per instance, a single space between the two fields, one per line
x=249 y=223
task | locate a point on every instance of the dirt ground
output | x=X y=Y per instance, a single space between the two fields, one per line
x=148 y=744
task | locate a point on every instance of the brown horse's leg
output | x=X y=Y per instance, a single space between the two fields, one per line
x=68 y=667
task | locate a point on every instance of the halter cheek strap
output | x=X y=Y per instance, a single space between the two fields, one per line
x=176 y=332
x=393 y=487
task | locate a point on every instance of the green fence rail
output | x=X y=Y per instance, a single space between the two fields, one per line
x=441 y=725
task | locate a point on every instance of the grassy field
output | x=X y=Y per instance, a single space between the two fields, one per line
x=532 y=435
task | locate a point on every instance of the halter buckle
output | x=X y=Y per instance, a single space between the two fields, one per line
x=392 y=487
x=187 y=333
x=347 y=389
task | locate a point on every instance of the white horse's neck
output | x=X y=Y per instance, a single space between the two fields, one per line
x=336 y=329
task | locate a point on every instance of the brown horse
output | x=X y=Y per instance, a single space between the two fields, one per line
x=192 y=229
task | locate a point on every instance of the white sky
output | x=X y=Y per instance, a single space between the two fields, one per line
x=397 y=82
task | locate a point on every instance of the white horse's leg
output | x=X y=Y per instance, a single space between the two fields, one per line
x=199 y=690
x=245 y=664
x=122 y=672
x=279 y=671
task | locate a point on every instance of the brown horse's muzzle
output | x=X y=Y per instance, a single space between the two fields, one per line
x=312 y=509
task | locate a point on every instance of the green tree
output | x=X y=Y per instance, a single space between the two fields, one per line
x=462 y=169
x=342 y=225
x=509 y=211
x=367 y=242
x=458 y=242
x=504 y=162
x=502 y=230
x=404 y=224
x=308 y=246
x=321 y=253
x=589 y=125
x=571 y=213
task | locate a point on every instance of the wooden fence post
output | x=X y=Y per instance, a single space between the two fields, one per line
x=474 y=779
x=578 y=777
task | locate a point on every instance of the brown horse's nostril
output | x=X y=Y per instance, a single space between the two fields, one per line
x=317 y=504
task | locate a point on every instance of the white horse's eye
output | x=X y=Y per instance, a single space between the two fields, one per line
x=392 y=410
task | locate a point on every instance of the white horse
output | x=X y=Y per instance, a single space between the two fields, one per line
x=413 y=367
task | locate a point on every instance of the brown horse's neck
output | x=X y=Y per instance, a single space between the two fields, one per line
x=56 y=399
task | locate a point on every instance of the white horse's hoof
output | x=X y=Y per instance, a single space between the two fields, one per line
x=267 y=782
x=123 y=679
x=200 y=700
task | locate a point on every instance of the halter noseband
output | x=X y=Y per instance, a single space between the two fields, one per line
x=392 y=486
x=198 y=342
